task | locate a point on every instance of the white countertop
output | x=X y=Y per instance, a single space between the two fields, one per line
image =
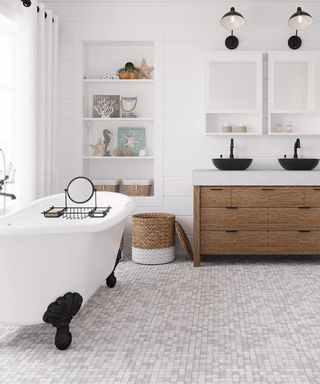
x=255 y=177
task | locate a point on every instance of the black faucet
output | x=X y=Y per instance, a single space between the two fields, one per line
x=2 y=183
x=13 y=197
x=231 y=149
x=296 y=146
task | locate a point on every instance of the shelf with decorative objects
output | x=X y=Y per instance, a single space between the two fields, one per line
x=118 y=119
x=233 y=134
x=131 y=158
x=120 y=98
x=119 y=81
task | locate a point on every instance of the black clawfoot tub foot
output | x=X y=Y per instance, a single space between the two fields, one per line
x=111 y=279
x=59 y=314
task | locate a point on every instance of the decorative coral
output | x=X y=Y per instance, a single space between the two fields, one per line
x=105 y=107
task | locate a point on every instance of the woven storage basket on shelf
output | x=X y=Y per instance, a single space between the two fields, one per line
x=153 y=238
x=111 y=185
x=137 y=187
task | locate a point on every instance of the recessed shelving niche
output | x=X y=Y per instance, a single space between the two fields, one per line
x=98 y=58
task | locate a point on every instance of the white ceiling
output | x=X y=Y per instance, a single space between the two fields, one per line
x=227 y=2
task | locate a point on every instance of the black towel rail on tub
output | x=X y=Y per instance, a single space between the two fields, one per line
x=76 y=213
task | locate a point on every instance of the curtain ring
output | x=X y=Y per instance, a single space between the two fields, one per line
x=26 y=3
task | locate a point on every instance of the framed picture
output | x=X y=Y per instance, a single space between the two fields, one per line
x=106 y=106
x=131 y=141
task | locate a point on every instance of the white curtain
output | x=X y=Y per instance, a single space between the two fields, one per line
x=21 y=147
x=48 y=26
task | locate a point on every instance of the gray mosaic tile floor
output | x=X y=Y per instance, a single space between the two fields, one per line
x=230 y=321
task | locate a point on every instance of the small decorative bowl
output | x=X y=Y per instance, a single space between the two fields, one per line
x=128 y=75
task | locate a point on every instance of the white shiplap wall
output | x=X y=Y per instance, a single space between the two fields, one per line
x=189 y=29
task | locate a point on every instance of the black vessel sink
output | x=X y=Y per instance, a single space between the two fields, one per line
x=232 y=164
x=298 y=164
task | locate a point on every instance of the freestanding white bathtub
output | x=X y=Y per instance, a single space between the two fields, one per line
x=42 y=259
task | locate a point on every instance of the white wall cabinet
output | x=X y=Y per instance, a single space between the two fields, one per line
x=96 y=58
x=233 y=92
x=294 y=103
x=279 y=90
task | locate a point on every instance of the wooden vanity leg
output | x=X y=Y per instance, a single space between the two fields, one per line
x=196 y=226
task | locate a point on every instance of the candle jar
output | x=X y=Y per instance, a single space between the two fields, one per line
x=242 y=128
x=227 y=128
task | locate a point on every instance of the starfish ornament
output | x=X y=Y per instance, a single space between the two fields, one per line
x=98 y=148
x=131 y=141
x=144 y=70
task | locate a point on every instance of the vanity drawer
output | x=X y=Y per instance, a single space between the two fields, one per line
x=294 y=242
x=217 y=219
x=215 y=197
x=293 y=219
x=268 y=197
x=239 y=242
x=312 y=197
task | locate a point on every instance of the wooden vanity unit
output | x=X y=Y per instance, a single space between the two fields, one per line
x=248 y=219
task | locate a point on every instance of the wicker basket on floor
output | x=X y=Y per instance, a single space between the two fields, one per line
x=153 y=238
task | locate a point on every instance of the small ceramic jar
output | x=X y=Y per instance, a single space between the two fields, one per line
x=227 y=128
x=242 y=128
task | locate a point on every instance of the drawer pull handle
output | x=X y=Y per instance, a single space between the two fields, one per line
x=232 y=207
x=216 y=189
x=304 y=231
x=232 y=231
x=268 y=189
x=304 y=207
x=316 y=189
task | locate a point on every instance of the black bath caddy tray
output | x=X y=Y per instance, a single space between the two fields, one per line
x=79 y=212
x=76 y=213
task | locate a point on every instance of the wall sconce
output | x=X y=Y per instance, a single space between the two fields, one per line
x=232 y=20
x=26 y=3
x=299 y=20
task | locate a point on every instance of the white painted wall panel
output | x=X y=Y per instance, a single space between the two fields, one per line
x=65 y=88
x=64 y=128
x=65 y=50
x=182 y=127
x=65 y=108
x=65 y=70
x=182 y=88
x=183 y=107
x=178 y=186
x=179 y=70
x=183 y=166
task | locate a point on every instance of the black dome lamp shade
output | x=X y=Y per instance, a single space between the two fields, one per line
x=299 y=20
x=232 y=20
